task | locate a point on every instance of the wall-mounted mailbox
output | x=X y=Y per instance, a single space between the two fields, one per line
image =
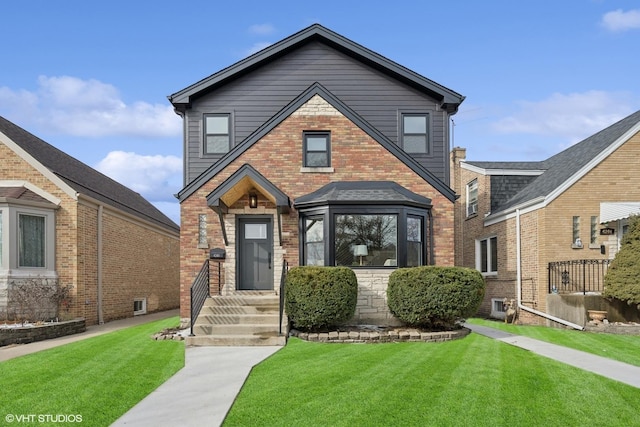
x=217 y=253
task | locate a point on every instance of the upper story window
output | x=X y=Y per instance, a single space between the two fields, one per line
x=317 y=149
x=415 y=133
x=217 y=133
x=472 y=198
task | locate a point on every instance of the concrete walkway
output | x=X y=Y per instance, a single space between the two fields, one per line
x=202 y=392
x=623 y=372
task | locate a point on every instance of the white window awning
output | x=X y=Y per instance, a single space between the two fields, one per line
x=615 y=211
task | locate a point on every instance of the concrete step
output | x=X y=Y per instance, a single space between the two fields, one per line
x=234 y=329
x=236 y=340
x=236 y=319
x=242 y=300
x=232 y=310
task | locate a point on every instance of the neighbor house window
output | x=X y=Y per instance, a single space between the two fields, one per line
x=317 y=149
x=487 y=255
x=415 y=133
x=139 y=306
x=314 y=240
x=31 y=240
x=576 y=232
x=594 y=230
x=370 y=240
x=414 y=241
x=472 y=197
x=217 y=133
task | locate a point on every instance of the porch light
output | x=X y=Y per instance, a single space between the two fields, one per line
x=253 y=200
x=360 y=251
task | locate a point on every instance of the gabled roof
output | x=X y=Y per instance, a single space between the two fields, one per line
x=362 y=192
x=315 y=89
x=565 y=168
x=450 y=100
x=84 y=179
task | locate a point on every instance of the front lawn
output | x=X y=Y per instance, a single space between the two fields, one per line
x=99 y=378
x=624 y=348
x=475 y=381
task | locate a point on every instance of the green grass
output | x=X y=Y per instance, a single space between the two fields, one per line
x=624 y=348
x=475 y=381
x=99 y=378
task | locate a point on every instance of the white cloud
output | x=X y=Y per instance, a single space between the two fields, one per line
x=88 y=108
x=618 y=20
x=157 y=178
x=257 y=47
x=573 y=116
x=262 y=29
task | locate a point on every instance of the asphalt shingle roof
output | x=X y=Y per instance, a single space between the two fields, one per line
x=562 y=166
x=84 y=179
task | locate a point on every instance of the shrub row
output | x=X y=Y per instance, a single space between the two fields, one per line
x=318 y=298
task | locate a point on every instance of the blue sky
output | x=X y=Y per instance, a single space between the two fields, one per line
x=92 y=78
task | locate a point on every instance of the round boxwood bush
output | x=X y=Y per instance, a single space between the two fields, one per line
x=434 y=297
x=317 y=298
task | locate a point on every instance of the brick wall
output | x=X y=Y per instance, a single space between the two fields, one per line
x=139 y=260
x=278 y=157
x=547 y=233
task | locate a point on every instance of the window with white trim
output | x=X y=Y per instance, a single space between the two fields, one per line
x=472 y=198
x=497 y=308
x=487 y=255
x=139 y=306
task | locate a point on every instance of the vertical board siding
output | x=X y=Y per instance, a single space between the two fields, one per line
x=254 y=98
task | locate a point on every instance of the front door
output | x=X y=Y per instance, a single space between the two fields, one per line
x=255 y=253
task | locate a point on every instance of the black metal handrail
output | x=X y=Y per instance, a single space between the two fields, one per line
x=580 y=275
x=283 y=278
x=199 y=292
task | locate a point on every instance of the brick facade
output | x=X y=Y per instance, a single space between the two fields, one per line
x=138 y=259
x=546 y=233
x=355 y=156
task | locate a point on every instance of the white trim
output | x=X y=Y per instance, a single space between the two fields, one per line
x=501 y=171
x=498 y=314
x=31 y=187
x=526 y=207
x=38 y=166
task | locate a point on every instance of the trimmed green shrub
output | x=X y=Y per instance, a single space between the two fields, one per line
x=317 y=298
x=434 y=297
x=622 y=280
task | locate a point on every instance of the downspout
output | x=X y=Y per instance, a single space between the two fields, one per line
x=99 y=267
x=519 y=284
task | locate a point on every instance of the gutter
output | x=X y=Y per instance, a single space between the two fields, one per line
x=519 y=284
x=99 y=266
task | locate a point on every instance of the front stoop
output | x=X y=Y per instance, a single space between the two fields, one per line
x=241 y=319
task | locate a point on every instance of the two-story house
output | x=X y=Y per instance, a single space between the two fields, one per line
x=313 y=151
x=542 y=233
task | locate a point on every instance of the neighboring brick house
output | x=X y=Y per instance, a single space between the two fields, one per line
x=315 y=151
x=63 y=223
x=568 y=214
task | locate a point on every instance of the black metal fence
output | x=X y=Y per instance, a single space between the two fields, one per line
x=199 y=292
x=577 y=276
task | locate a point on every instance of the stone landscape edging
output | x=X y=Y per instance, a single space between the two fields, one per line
x=372 y=337
x=29 y=334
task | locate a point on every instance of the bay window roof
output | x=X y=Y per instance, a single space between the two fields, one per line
x=362 y=192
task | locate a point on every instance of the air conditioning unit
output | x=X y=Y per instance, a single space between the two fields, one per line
x=472 y=209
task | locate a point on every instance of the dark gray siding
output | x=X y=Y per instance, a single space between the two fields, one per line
x=257 y=96
x=504 y=187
